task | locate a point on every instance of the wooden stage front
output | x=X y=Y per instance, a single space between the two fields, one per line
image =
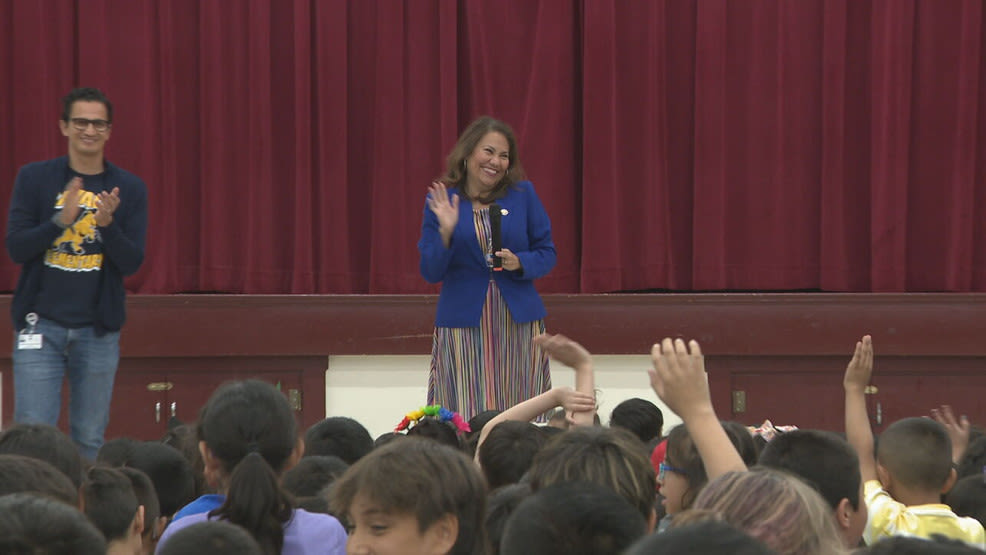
x=777 y=356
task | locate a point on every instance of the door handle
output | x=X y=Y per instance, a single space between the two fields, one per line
x=157 y=412
x=174 y=409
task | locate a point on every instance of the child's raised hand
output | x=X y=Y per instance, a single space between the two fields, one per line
x=678 y=376
x=574 y=401
x=563 y=349
x=958 y=429
x=860 y=368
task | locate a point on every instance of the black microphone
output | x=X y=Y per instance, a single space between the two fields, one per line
x=495 y=236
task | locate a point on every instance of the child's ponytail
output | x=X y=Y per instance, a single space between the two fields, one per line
x=250 y=428
x=256 y=502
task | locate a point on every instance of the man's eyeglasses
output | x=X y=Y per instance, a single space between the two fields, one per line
x=663 y=469
x=82 y=124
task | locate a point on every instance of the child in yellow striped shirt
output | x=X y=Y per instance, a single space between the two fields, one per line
x=911 y=470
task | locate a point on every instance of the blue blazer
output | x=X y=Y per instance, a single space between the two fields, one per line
x=462 y=268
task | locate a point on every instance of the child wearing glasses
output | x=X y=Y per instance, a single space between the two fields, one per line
x=682 y=475
x=700 y=449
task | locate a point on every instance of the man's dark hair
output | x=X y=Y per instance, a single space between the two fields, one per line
x=312 y=474
x=508 y=451
x=34 y=525
x=822 y=459
x=110 y=501
x=575 y=518
x=85 y=94
x=338 y=436
x=640 y=416
x=47 y=443
x=21 y=474
x=211 y=538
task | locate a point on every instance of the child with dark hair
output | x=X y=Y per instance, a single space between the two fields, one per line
x=315 y=503
x=707 y=537
x=973 y=460
x=575 y=518
x=913 y=467
x=508 y=451
x=21 y=474
x=168 y=469
x=514 y=447
x=550 y=432
x=312 y=474
x=829 y=464
x=682 y=475
x=610 y=457
x=476 y=423
x=212 y=538
x=413 y=496
x=116 y=452
x=702 y=448
x=906 y=545
x=387 y=437
x=154 y=523
x=640 y=416
x=47 y=443
x=184 y=438
x=248 y=438
x=35 y=525
x=968 y=497
x=743 y=440
x=435 y=430
x=111 y=505
x=338 y=436
x=500 y=505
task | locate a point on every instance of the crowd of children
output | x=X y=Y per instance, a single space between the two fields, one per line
x=243 y=479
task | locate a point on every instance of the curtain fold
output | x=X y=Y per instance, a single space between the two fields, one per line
x=684 y=145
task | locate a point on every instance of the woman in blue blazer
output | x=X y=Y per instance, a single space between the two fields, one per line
x=482 y=354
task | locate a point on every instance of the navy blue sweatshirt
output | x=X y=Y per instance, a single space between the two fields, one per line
x=45 y=250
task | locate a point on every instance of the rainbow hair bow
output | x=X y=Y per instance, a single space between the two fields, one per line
x=437 y=412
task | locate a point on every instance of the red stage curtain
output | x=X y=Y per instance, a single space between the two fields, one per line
x=683 y=144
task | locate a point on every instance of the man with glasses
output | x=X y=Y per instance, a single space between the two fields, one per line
x=76 y=225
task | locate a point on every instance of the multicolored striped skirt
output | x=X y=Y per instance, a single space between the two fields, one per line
x=494 y=366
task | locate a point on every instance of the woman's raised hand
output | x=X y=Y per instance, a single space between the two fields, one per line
x=445 y=208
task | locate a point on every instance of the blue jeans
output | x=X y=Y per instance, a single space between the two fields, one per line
x=90 y=362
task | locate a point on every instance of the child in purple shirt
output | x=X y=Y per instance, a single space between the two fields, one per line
x=249 y=437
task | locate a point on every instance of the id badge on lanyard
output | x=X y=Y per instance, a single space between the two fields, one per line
x=29 y=339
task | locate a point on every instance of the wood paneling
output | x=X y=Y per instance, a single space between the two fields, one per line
x=774 y=346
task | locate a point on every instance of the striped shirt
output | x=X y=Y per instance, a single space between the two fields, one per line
x=887 y=517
